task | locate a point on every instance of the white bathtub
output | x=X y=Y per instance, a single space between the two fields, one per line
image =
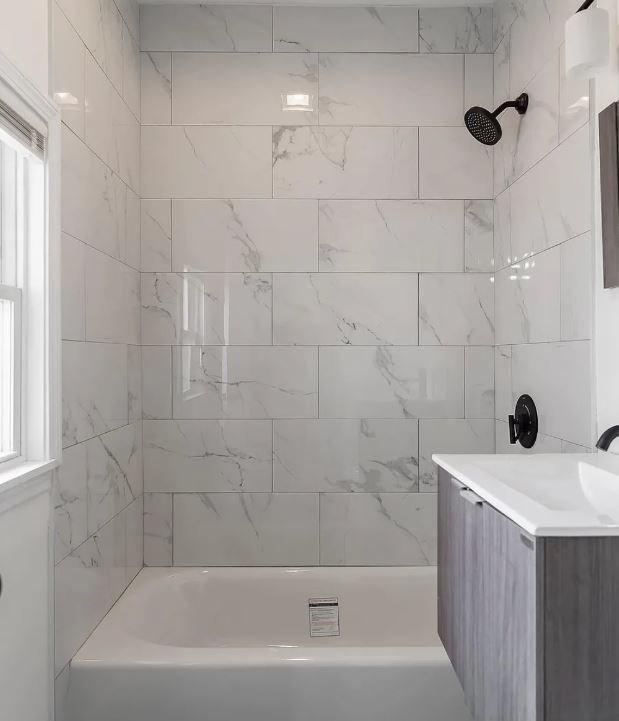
x=234 y=645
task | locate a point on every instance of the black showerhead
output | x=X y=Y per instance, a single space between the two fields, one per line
x=484 y=125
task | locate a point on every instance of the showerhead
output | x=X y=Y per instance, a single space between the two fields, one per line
x=484 y=126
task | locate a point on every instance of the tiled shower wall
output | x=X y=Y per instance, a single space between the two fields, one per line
x=98 y=491
x=317 y=305
x=543 y=219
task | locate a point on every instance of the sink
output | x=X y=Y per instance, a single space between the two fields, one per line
x=547 y=494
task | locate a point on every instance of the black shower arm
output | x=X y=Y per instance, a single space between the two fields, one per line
x=503 y=107
x=585 y=6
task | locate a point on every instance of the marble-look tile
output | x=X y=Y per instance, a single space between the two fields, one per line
x=371 y=529
x=479 y=235
x=93 y=198
x=132 y=254
x=196 y=456
x=552 y=202
x=574 y=101
x=131 y=72
x=111 y=130
x=156 y=236
x=527 y=139
x=391 y=235
x=130 y=11
x=70 y=502
x=114 y=473
x=479 y=382
x=112 y=300
x=528 y=300
x=456 y=309
x=134 y=382
x=391 y=89
x=503 y=398
x=479 y=80
x=158 y=529
x=156 y=80
x=455 y=30
x=567 y=447
x=453 y=165
x=206 y=308
x=94 y=384
x=345 y=29
x=450 y=436
x=505 y=12
x=68 y=71
x=577 y=288
x=73 y=318
x=157 y=381
x=87 y=584
x=391 y=382
x=345 y=308
x=543 y=444
x=62 y=684
x=345 y=162
x=245 y=382
x=99 y=24
x=545 y=371
x=503 y=252
x=245 y=235
x=202 y=28
x=501 y=72
x=243 y=88
x=370 y=456
x=203 y=161
x=245 y=529
x=134 y=519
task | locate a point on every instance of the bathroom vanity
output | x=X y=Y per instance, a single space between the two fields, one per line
x=528 y=584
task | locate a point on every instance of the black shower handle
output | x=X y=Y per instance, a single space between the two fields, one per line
x=514 y=430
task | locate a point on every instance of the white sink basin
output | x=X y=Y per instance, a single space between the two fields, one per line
x=547 y=495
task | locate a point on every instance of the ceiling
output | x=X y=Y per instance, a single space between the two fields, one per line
x=335 y=3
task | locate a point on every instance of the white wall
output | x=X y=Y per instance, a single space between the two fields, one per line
x=606 y=301
x=24 y=38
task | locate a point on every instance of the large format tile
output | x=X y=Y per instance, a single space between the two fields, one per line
x=70 y=502
x=156 y=235
x=156 y=82
x=479 y=381
x=479 y=235
x=208 y=456
x=345 y=29
x=345 y=308
x=456 y=309
x=504 y=401
x=237 y=28
x=478 y=80
x=551 y=203
x=68 y=72
x=391 y=235
x=206 y=308
x=114 y=473
x=450 y=436
x=158 y=529
x=73 y=290
x=406 y=89
x=131 y=73
x=577 y=288
x=134 y=520
x=391 y=382
x=345 y=162
x=157 y=381
x=199 y=162
x=368 y=456
x=558 y=377
x=245 y=529
x=528 y=300
x=245 y=235
x=455 y=30
x=389 y=529
x=243 y=88
x=245 y=382
x=94 y=384
x=453 y=165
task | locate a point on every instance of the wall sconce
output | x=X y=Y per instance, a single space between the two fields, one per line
x=587 y=41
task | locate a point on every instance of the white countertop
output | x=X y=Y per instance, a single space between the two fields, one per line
x=546 y=495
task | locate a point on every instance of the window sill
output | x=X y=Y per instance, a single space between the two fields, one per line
x=23 y=480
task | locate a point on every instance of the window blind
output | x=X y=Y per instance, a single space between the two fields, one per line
x=22 y=130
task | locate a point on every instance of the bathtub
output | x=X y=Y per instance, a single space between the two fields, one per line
x=227 y=644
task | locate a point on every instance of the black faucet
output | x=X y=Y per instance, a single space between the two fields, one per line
x=607 y=438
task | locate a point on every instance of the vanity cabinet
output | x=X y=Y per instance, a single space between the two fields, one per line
x=531 y=624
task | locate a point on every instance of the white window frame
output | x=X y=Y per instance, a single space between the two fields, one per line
x=37 y=310
x=13 y=388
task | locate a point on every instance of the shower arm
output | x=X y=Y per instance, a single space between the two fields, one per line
x=585 y=6
x=521 y=104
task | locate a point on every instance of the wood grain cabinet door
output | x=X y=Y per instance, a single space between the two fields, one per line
x=509 y=634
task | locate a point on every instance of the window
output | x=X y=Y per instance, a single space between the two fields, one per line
x=29 y=385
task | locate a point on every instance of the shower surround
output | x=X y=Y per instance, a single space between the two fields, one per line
x=317 y=305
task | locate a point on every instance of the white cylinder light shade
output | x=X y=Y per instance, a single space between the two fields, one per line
x=587 y=42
